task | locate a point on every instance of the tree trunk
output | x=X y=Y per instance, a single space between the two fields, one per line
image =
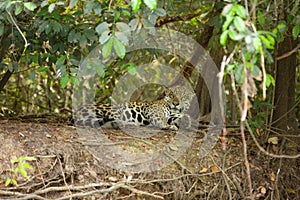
x=284 y=117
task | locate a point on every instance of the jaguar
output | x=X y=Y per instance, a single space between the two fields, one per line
x=161 y=113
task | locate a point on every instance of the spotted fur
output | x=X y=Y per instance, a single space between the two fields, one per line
x=160 y=113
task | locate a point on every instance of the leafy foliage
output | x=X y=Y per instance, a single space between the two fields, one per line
x=23 y=165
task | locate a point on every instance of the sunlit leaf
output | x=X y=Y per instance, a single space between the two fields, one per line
x=227 y=22
x=18 y=9
x=240 y=11
x=30 y=6
x=135 y=4
x=227 y=9
x=27 y=165
x=29 y=158
x=51 y=7
x=239 y=24
x=223 y=38
x=23 y=172
x=7 y=181
x=152 y=4
x=14 y=182
x=295 y=32
x=233 y=34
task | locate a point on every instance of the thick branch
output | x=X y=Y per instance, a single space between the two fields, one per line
x=288 y=53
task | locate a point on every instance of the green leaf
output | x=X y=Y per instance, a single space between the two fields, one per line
x=105 y=36
x=131 y=69
x=71 y=36
x=100 y=70
x=239 y=24
x=7 y=181
x=107 y=47
x=270 y=80
x=233 y=34
x=260 y=18
x=74 y=80
x=29 y=158
x=90 y=34
x=83 y=41
x=102 y=27
x=122 y=37
x=227 y=9
x=18 y=9
x=30 y=6
x=126 y=12
x=15 y=160
x=240 y=11
x=64 y=81
x=119 y=48
x=227 y=22
x=230 y=67
x=160 y=12
x=43 y=69
x=135 y=4
x=23 y=172
x=257 y=44
x=14 y=182
x=152 y=4
x=123 y=27
x=281 y=27
x=117 y=15
x=223 y=38
x=133 y=24
x=266 y=42
x=60 y=60
x=295 y=32
x=27 y=165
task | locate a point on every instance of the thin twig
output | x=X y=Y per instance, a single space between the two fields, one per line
x=243 y=135
x=262 y=57
x=263 y=150
x=16 y=25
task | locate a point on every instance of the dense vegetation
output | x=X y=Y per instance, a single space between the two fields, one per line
x=253 y=43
